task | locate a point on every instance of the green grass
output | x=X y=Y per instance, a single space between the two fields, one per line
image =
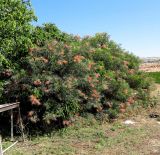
x=155 y=76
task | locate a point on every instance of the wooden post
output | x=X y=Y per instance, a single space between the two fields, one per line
x=12 y=125
x=21 y=124
x=1 y=151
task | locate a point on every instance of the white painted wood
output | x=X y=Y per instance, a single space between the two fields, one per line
x=5 y=107
x=10 y=146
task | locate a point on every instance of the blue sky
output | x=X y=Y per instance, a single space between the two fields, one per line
x=133 y=23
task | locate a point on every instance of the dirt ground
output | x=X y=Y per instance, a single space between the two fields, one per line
x=150 y=67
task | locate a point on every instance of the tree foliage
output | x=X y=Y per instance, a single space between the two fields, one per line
x=48 y=31
x=15 y=29
x=15 y=35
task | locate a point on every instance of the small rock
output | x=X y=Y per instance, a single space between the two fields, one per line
x=127 y=122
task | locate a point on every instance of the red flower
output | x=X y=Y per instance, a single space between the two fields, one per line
x=131 y=71
x=67 y=46
x=37 y=82
x=46 y=90
x=97 y=75
x=30 y=113
x=78 y=58
x=90 y=65
x=92 y=85
x=66 y=122
x=95 y=94
x=122 y=110
x=130 y=100
x=33 y=99
x=89 y=79
x=47 y=82
x=62 y=62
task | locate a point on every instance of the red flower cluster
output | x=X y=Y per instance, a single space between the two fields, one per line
x=33 y=99
x=37 y=82
x=97 y=75
x=47 y=82
x=67 y=46
x=131 y=71
x=62 y=62
x=89 y=79
x=31 y=113
x=130 y=100
x=95 y=94
x=78 y=58
x=90 y=65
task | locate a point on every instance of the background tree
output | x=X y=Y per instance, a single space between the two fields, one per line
x=47 y=32
x=15 y=35
x=15 y=29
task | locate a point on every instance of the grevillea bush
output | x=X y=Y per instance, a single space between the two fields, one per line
x=62 y=79
x=56 y=76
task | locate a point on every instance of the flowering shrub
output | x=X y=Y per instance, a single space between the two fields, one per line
x=90 y=74
x=63 y=75
x=57 y=83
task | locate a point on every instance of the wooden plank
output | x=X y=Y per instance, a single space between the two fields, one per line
x=5 y=107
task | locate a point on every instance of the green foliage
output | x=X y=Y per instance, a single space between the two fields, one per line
x=118 y=90
x=155 y=76
x=139 y=80
x=47 y=32
x=15 y=28
x=15 y=34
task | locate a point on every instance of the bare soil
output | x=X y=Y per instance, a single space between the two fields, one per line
x=150 y=67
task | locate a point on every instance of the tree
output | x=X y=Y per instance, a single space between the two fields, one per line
x=15 y=35
x=47 y=32
x=15 y=30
